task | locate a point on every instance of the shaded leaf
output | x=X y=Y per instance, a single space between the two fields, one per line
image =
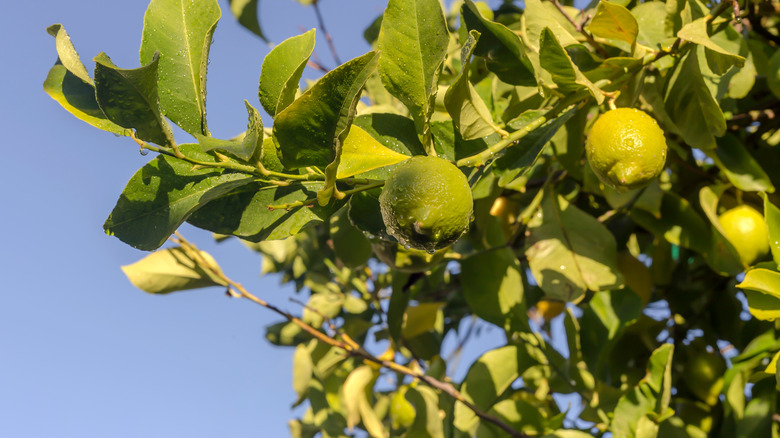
x=615 y=24
x=130 y=99
x=163 y=194
x=722 y=256
x=246 y=146
x=739 y=166
x=311 y=130
x=286 y=334
x=518 y=159
x=282 y=70
x=493 y=286
x=772 y=218
x=570 y=252
x=427 y=422
x=554 y=59
x=171 y=270
x=504 y=52
x=181 y=31
x=245 y=212
x=471 y=116
x=302 y=371
x=245 y=12
x=688 y=102
x=420 y=319
x=679 y=223
x=413 y=40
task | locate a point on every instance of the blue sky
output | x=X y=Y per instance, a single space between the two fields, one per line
x=84 y=354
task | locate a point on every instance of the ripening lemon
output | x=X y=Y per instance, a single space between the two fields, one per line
x=426 y=203
x=549 y=309
x=745 y=228
x=626 y=149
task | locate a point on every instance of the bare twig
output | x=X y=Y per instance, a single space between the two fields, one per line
x=328 y=38
x=348 y=345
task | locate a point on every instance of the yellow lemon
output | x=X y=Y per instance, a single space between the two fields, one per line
x=426 y=203
x=549 y=309
x=626 y=149
x=745 y=228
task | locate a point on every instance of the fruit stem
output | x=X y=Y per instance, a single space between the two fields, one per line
x=481 y=158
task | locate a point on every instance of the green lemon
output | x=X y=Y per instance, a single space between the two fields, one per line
x=744 y=227
x=626 y=149
x=426 y=203
x=703 y=375
x=405 y=259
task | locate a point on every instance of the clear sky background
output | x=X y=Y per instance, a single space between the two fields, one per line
x=82 y=352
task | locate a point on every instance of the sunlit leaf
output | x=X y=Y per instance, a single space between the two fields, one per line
x=722 y=256
x=171 y=270
x=696 y=32
x=248 y=146
x=568 y=78
x=361 y=153
x=570 y=252
x=679 y=223
x=413 y=40
x=356 y=389
x=739 y=166
x=67 y=53
x=181 y=32
x=302 y=371
x=772 y=218
x=282 y=70
x=427 y=421
x=762 y=288
x=615 y=24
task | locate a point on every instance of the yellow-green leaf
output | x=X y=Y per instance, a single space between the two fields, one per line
x=615 y=24
x=361 y=152
x=762 y=289
x=171 y=270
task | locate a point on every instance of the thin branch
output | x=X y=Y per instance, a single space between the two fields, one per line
x=328 y=38
x=310 y=202
x=580 y=28
x=349 y=346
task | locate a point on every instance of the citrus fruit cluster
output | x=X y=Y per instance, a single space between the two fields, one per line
x=626 y=149
x=426 y=203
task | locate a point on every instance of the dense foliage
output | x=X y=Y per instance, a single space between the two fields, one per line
x=665 y=331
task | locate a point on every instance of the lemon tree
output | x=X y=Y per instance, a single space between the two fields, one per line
x=591 y=183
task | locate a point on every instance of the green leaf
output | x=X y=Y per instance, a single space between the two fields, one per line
x=321 y=308
x=171 y=270
x=615 y=24
x=282 y=70
x=649 y=398
x=519 y=414
x=413 y=41
x=696 y=32
x=650 y=17
x=427 y=422
x=247 y=146
x=245 y=212
x=487 y=379
x=504 y=52
x=492 y=284
x=311 y=130
x=361 y=153
x=570 y=252
x=286 y=334
x=358 y=385
x=679 y=223
x=181 y=32
x=67 y=53
x=78 y=98
x=722 y=256
x=690 y=105
x=365 y=212
x=245 y=12
x=350 y=245
x=130 y=99
x=520 y=158
x=537 y=17
x=772 y=218
x=569 y=79
x=422 y=318
x=302 y=371
x=739 y=166
x=773 y=74
x=469 y=112
x=762 y=288
x=162 y=195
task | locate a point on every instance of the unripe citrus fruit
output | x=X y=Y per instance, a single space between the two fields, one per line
x=426 y=203
x=745 y=228
x=626 y=149
x=703 y=375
